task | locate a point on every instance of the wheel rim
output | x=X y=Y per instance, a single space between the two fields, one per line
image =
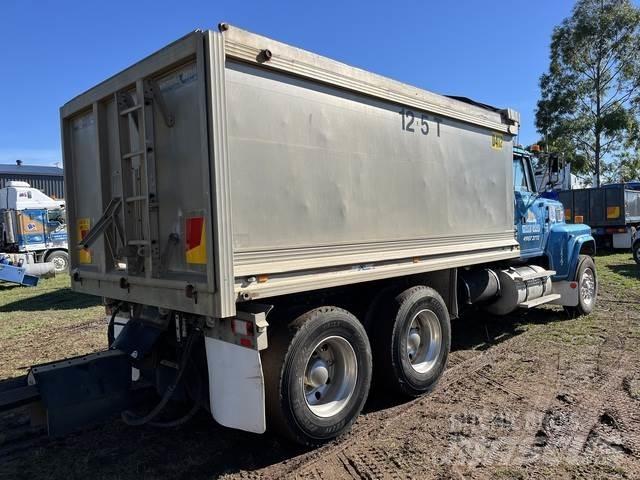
x=330 y=376
x=59 y=264
x=588 y=286
x=424 y=341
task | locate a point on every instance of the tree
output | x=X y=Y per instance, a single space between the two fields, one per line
x=590 y=97
x=626 y=169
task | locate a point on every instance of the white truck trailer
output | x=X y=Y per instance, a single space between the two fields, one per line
x=270 y=228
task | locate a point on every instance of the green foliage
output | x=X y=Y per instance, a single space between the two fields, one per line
x=570 y=154
x=625 y=169
x=590 y=97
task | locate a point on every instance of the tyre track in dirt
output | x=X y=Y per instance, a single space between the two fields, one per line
x=348 y=451
x=581 y=420
x=360 y=456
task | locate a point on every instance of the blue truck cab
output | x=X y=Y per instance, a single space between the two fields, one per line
x=546 y=240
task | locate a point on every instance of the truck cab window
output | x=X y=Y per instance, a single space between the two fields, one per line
x=520 y=182
x=57 y=215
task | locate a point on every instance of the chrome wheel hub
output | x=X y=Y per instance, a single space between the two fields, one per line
x=330 y=376
x=59 y=264
x=424 y=341
x=588 y=286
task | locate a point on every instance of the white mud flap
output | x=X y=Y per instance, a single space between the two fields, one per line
x=568 y=293
x=236 y=386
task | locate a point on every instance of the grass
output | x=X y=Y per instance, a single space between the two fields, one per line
x=619 y=274
x=52 y=302
x=619 y=287
x=45 y=323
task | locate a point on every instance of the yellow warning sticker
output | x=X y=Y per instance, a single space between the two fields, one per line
x=496 y=141
x=84 y=225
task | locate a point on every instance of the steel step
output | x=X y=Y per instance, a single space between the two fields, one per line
x=129 y=110
x=533 y=275
x=138 y=198
x=540 y=300
x=129 y=155
x=138 y=242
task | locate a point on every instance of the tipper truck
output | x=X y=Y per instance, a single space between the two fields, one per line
x=271 y=229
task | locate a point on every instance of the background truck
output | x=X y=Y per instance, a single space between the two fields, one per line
x=33 y=224
x=612 y=211
x=270 y=229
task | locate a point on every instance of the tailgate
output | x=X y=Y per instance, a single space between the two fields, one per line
x=136 y=160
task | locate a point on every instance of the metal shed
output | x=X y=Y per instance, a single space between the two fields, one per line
x=48 y=179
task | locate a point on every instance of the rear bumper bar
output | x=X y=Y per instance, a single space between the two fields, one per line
x=73 y=392
x=16 y=392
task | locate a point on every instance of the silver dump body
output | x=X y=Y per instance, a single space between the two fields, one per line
x=229 y=167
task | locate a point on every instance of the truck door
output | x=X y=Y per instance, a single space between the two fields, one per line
x=529 y=211
x=55 y=229
x=32 y=229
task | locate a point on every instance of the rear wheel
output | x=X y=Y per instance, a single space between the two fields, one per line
x=412 y=341
x=60 y=260
x=587 y=287
x=636 y=251
x=317 y=375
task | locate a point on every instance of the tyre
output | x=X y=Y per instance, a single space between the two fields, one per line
x=411 y=342
x=587 y=287
x=317 y=373
x=60 y=260
x=636 y=251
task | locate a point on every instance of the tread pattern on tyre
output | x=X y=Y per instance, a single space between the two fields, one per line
x=385 y=367
x=280 y=356
x=584 y=261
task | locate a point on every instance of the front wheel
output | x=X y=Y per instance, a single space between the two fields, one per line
x=587 y=287
x=317 y=375
x=60 y=260
x=636 y=251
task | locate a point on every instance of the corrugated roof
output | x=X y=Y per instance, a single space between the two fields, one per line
x=30 y=170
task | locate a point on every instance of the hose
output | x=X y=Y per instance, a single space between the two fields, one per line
x=110 y=328
x=186 y=417
x=132 y=419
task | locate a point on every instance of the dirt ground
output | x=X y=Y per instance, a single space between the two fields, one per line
x=533 y=395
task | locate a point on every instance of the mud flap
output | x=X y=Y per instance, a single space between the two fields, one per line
x=82 y=390
x=568 y=293
x=236 y=386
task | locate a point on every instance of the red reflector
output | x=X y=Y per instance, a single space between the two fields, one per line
x=245 y=342
x=194 y=232
x=573 y=284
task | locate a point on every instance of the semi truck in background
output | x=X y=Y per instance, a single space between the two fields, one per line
x=32 y=226
x=270 y=229
x=612 y=210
